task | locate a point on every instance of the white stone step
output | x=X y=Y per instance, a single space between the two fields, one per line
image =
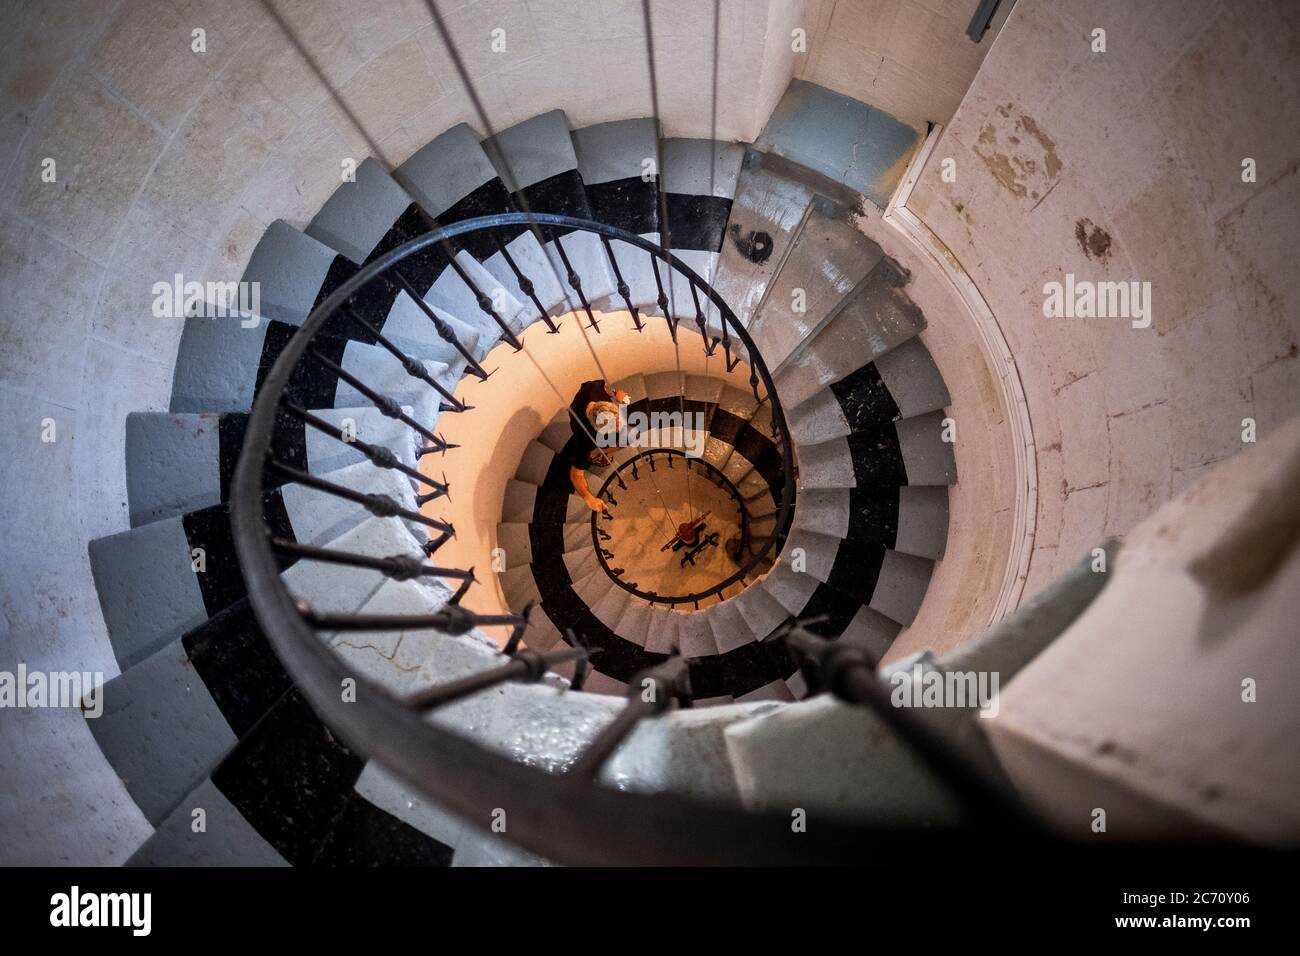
x=610 y=607
x=766 y=216
x=359 y=214
x=393 y=658
x=150 y=591
x=662 y=633
x=791 y=589
x=695 y=635
x=825 y=465
x=517 y=504
x=823 y=268
x=730 y=628
x=535 y=463
x=823 y=510
x=175 y=462
x=878 y=317
x=513 y=538
x=762 y=612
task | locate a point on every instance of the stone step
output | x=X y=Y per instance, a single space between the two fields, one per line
x=766 y=215
x=360 y=215
x=150 y=591
x=840 y=138
x=182 y=462
x=352 y=221
x=908 y=452
x=662 y=634
x=470 y=845
x=514 y=539
x=695 y=636
x=453 y=178
x=540 y=154
x=827 y=262
x=823 y=510
x=535 y=463
x=256 y=815
x=612 y=161
x=730 y=628
x=393 y=658
x=218 y=363
x=295 y=272
x=858 y=763
x=594 y=586
x=878 y=317
x=610 y=607
x=634 y=625
x=517 y=504
x=903 y=383
x=791 y=589
x=176 y=713
x=518 y=587
x=762 y=612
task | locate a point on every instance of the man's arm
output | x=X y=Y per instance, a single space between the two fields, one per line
x=578 y=478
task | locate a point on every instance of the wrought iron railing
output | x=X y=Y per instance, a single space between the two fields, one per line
x=564 y=817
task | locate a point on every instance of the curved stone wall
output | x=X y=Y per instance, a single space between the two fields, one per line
x=1127 y=165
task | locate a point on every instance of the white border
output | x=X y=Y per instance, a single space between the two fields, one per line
x=998 y=357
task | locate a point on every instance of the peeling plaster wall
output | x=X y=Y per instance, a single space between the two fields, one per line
x=174 y=161
x=1126 y=165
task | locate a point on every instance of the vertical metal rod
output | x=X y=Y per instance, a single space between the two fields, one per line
x=412 y=367
x=525 y=284
x=444 y=330
x=485 y=305
x=623 y=289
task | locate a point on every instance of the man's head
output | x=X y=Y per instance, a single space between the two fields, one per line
x=604 y=416
x=605 y=420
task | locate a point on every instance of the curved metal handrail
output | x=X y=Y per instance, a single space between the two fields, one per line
x=562 y=817
x=719 y=479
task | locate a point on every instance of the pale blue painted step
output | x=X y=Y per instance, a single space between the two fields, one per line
x=852 y=143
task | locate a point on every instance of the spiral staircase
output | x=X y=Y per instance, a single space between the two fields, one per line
x=204 y=715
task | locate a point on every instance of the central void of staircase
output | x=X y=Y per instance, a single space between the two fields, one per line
x=203 y=715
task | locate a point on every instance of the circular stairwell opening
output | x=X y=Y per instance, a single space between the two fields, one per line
x=677 y=529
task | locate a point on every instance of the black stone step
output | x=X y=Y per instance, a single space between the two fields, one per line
x=877 y=456
x=856 y=570
x=864 y=399
x=222 y=583
x=630 y=204
x=235 y=661
x=697 y=222
x=563 y=194
x=288 y=444
x=366 y=836
x=290 y=778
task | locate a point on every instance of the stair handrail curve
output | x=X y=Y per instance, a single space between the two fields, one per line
x=563 y=817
